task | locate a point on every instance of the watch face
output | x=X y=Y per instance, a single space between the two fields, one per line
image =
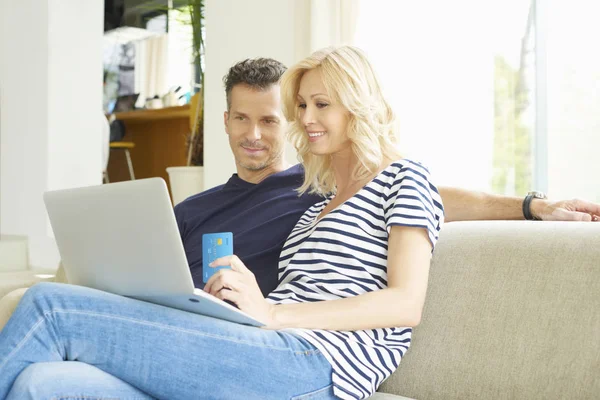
x=538 y=195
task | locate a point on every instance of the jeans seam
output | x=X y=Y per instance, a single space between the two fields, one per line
x=84 y=397
x=91 y=398
x=168 y=327
x=314 y=352
x=312 y=394
x=23 y=341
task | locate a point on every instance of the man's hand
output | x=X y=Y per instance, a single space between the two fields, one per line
x=239 y=286
x=565 y=210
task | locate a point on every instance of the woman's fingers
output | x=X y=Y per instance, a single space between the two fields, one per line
x=223 y=279
x=230 y=295
x=232 y=261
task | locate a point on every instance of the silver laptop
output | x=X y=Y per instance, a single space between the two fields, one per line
x=123 y=238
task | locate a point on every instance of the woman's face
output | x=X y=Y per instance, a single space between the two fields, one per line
x=324 y=121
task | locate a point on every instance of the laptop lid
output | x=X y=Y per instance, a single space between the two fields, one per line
x=121 y=238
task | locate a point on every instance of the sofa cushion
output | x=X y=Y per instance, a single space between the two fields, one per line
x=387 y=396
x=512 y=311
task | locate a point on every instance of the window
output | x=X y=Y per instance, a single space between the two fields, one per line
x=454 y=76
x=499 y=96
x=181 y=63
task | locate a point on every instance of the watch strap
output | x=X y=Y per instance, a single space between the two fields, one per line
x=527 y=207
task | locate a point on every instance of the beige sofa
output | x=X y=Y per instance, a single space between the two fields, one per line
x=513 y=312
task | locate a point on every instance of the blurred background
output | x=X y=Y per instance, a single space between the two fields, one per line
x=501 y=96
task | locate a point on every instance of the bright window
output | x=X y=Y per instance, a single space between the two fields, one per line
x=451 y=72
x=490 y=94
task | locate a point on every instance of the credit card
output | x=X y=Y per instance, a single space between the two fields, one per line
x=215 y=245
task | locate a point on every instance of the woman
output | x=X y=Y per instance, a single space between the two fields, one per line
x=353 y=275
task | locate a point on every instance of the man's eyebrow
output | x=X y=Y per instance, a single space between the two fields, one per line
x=271 y=117
x=239 y=113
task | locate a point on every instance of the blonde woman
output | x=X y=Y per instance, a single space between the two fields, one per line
x=352 y=276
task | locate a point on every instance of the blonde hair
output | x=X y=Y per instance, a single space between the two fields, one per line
x=350 y=81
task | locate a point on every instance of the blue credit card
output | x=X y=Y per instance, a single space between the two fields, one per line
x=215 y=245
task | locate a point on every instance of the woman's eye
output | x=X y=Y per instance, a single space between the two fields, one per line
x=322 y=105
x=302 y=106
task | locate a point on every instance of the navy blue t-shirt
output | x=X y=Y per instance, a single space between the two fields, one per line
x=260 y=216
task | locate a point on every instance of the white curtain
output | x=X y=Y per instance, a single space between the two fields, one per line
x=322 y=23
x=151 y=68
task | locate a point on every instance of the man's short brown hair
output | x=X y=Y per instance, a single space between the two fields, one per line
x=259 y=73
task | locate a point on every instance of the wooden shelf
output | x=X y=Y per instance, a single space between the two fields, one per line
x=160 y=138
x=154 y=115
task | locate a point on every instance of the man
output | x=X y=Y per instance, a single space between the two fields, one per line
x=259 y=203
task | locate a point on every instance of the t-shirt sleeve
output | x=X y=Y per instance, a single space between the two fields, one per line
x=415 y=201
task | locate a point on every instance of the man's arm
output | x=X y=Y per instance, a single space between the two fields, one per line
x=468 y=205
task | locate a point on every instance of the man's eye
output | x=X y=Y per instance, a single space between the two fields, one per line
x=239 y=118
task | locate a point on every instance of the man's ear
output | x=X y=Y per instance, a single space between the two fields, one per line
x=226 y=121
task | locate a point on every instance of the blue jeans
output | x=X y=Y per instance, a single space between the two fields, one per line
x=71 y=380
x=138 y=350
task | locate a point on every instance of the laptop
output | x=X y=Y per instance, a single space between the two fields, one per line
x=123 y=238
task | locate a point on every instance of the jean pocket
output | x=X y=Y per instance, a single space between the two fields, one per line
x=319 y=394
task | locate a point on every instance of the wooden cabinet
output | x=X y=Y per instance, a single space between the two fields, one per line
x=160 y=142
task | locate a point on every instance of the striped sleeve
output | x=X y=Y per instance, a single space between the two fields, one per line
x=414 y=201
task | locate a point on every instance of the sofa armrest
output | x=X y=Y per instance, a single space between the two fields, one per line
x=8 y=304
x=60 y=277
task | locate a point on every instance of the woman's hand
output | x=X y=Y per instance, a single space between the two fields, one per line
x=239 y=286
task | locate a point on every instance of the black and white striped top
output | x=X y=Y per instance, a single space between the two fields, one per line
x=345 y=254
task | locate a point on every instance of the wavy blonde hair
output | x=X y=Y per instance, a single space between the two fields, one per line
x=350 y=81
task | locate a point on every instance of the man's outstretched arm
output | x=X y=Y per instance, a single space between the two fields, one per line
x=468 y=205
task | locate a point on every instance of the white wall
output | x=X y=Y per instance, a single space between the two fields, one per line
x=573 y=70
x=236 y=30
x=24 y=114
x=50 y=105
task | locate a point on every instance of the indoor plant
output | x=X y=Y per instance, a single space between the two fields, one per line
x=188 y=180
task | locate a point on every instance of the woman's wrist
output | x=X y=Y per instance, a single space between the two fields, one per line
x=273 y=317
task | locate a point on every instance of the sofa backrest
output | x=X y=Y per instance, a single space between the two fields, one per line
x=513 y=311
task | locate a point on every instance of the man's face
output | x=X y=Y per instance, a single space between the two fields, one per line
x=256 y=127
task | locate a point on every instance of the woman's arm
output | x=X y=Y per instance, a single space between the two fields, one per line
x=409 y=255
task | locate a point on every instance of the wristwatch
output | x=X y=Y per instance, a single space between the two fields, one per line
x=527 y=204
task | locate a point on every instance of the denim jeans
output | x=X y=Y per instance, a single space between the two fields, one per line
x=71 y=380
x=137 y=350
